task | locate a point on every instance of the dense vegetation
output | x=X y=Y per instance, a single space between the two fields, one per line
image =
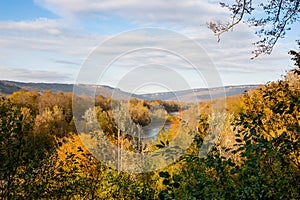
x=256 y=157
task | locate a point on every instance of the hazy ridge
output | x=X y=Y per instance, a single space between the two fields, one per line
x=8 y=87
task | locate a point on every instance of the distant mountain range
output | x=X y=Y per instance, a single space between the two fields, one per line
x=9 y=87
x=200 y=93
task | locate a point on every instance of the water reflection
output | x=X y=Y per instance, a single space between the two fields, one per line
x=152 y=130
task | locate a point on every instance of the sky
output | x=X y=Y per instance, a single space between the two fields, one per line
x=60 y=41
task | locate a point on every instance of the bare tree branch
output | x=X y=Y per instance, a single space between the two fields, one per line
x=280 y=15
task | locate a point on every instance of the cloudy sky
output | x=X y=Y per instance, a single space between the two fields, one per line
x=54 y=40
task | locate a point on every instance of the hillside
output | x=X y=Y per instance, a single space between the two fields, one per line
x=8 y=87
x=202 y=94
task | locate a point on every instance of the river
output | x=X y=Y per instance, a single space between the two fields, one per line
x=152 y=130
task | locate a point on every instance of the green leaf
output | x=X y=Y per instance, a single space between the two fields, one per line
x=164 y=174
x=176 y=185
x=177 y=178
x=166 y=182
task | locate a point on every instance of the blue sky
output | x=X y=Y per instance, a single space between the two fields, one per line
x=50 y=40
x=23 y=10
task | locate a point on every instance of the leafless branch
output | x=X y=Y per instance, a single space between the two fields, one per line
x=280 y=14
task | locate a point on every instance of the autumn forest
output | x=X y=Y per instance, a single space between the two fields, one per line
x=255 y=156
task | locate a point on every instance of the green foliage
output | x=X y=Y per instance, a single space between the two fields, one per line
x=23 y=155
x=259 y=159
x=171 y=183
x=267 y=146
x=268 y=139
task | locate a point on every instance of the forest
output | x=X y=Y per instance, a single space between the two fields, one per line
x=256 y=155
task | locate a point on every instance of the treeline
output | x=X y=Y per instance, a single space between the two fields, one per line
x=38 y=158
x=256 y=156
x=262 y=161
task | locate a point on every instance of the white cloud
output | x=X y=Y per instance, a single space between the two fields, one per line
x=30 y=47
x=147 y=12
x=67 y=50
x=64 y=43
x=8 y=73
x=40 y=25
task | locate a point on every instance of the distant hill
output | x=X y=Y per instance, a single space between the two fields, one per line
x=9 y=87
x=201 y=93
x=6 y=87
